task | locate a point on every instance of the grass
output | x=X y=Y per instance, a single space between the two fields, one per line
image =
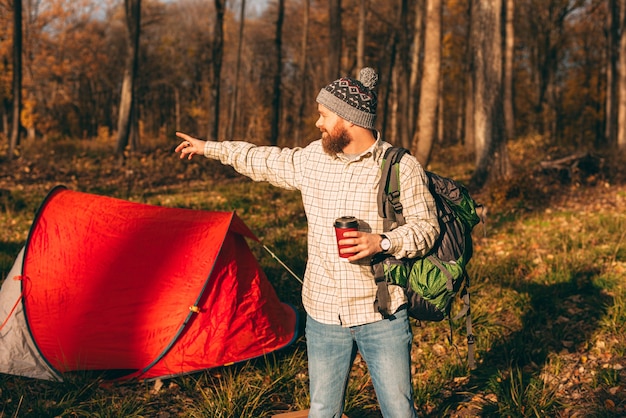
x=548 y=297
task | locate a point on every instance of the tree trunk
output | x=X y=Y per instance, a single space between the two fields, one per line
x=218 y=54
x=460 y=120
x=469 y=141
x=303 y=68
x=492 y=161
x=360 y=39
x=393 y=136
x=429 y=92
x=335 y=40
x=509 y=51
x=16 y=126
x=394 y=105
x=441 y=132
x=612 y=79
x=388 y=92
x=177 y=126
x=5 y=121
x=235 y=98
x=621 y=123
x=549 y=33
x=124 y=121
x=415 y=67
x=403 y=76
x=275 y=131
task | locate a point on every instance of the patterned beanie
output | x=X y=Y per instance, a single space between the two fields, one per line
x=353 y=100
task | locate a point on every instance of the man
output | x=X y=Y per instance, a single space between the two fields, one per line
x=338 y=176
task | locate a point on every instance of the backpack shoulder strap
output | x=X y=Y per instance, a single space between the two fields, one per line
x=389 y=206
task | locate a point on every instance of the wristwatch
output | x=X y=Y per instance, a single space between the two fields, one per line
x=385 y=244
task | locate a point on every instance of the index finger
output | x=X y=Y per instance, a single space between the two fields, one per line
x=184 y=136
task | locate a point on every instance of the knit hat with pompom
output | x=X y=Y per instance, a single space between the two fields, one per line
x=353 y=100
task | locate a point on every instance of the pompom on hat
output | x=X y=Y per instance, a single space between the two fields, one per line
x=353 y=100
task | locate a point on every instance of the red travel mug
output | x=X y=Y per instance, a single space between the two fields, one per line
x=343 y=225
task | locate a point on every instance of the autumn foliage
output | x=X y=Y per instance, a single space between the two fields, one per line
x=74 y=59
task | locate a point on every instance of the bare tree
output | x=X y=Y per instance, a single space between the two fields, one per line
x=441 y=131
x=402 y=76
x=127 y=97
x=275 y=131
x=468 y=91
x=416 y=50
x=612 y=78
x=509 y=51
x=621 y=122
x=469 y=140
x=393 y=96
x=302 y=66
x=429 y=93
x=546 y=20
x=17 y=77
x=492 y=160
x=388 y=93
x=360 y=39
x=218 y=54
x=334 y=48
x=233 y=103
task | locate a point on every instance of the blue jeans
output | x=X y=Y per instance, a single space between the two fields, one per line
x=386 y=348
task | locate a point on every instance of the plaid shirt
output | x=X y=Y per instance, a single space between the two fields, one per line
x=334 y=291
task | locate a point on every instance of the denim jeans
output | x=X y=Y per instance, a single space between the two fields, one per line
x=386 y=348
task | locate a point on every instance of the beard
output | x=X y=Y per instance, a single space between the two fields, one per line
x=334 y=142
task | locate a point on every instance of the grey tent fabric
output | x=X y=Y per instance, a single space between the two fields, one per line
x=18 y=353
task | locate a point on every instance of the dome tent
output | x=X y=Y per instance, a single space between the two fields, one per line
x=107 y=284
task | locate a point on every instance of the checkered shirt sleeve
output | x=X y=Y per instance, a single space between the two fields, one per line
x=334 y=291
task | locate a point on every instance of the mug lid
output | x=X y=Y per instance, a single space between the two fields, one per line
x=346 y=222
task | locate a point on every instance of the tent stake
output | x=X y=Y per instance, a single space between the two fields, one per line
x=283 y=264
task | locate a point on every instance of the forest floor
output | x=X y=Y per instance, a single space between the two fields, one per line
x=534 y=358
x=580 y=366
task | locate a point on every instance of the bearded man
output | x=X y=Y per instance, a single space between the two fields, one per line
x=338 y=176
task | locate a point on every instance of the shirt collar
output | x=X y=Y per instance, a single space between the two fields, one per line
x=373 y=151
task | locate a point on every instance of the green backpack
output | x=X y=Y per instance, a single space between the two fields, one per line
x=432 y=282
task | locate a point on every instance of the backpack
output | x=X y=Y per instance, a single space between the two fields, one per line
x=431 y=282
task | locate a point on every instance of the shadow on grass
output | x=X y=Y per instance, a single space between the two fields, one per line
x=561 y=319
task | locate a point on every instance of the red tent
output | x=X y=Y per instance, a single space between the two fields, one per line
x=108 y=284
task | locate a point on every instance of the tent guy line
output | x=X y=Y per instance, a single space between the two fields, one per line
x=282 y=264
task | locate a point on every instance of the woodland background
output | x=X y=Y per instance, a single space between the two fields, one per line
x=477 y=73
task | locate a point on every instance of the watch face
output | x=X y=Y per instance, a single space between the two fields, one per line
x=385 y=244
